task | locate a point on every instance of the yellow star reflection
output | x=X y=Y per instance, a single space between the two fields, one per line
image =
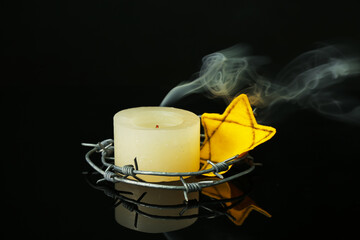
x=233 y=132
x=241 y=210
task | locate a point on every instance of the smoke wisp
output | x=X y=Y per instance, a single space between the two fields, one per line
x=321 y=79
x=222 y=74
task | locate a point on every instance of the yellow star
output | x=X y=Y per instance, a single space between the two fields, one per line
x=233 y=132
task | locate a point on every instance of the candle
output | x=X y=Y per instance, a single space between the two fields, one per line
x=161 y=139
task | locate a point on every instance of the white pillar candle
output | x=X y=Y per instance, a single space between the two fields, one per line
x=162 y=139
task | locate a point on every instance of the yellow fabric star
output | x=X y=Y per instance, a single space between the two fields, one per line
x=233 y=132
x=239 y=212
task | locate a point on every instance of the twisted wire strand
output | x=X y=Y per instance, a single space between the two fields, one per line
x=109 y=175
x=128 y=170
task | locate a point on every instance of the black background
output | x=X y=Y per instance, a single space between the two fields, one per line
x=69 y=66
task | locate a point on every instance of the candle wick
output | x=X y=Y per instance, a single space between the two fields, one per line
x=157 y=126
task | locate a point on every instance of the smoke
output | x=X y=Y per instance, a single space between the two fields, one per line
x=321 y=79
x=222 y=74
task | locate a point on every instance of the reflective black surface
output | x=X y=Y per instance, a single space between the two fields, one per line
x=308 y=183
x=69 y=67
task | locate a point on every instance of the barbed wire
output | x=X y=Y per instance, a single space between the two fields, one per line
x=115 y=174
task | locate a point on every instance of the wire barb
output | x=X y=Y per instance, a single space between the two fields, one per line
x=189 y=187
x=103 y=146
x=219 y=167
x=193 y=203
x=128 y=170
x=108 y=175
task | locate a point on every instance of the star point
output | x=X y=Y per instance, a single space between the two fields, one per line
x=234 y=132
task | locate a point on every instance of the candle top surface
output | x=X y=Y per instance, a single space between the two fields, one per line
x=156 y=118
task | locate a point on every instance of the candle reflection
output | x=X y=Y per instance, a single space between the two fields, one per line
x=154 y=210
